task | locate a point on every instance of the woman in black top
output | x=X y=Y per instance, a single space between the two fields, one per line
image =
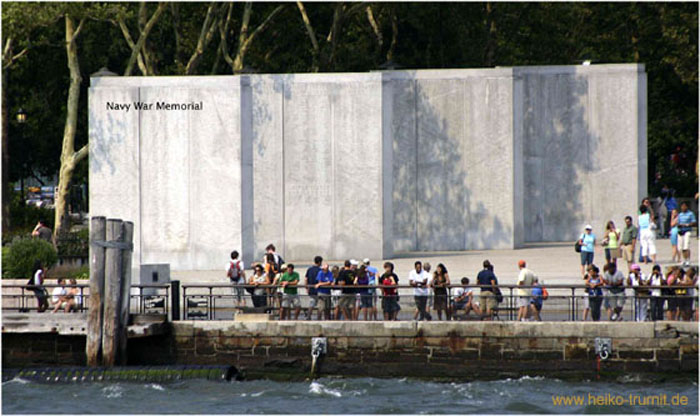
x=441 y=280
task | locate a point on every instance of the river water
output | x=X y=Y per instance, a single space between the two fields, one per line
x=343 y=395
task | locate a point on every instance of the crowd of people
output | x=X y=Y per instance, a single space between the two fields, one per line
x=352 y=291
x=67 y=298
x=673 y=291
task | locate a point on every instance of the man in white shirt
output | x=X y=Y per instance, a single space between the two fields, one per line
x=59 y=297
x=418 y=278
x=525 y=278
x=464 y=299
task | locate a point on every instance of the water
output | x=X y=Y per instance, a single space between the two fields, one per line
x=333 y=396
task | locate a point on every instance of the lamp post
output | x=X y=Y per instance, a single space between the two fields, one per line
x=21 y=120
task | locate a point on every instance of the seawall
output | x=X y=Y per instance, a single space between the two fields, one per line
x=458 y=350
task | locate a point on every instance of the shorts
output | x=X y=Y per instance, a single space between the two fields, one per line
x=684 y=241
x=616 y=300
x=537 y=305
x=238 y=292
x=685 y=303
x=523 y=301
x=347 y=301
x=487 y=299
x=289 y=299
x=390 y=304
x=366 y=301
x=324 y=301
x=612 y=254
x=672 y=303
x=628 y=253
x=459 y=305
x=440 y=303
x=313 y=301
x=586 y=257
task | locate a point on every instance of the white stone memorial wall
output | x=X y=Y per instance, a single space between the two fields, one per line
x=366 y=165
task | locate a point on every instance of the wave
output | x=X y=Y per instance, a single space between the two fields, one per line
x=319 y=389
x=155 y=386
x=17 y=380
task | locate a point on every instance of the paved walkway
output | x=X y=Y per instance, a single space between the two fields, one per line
x=554 y=263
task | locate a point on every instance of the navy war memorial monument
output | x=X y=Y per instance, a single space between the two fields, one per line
x=365 y=164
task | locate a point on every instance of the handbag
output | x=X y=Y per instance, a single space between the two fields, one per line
x=577 y=246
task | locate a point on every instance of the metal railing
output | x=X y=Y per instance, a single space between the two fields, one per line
x=221 y=301
x=145 y=298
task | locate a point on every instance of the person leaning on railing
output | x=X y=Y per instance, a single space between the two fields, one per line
x=487 y=297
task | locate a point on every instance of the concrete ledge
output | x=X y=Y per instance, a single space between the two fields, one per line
x=633 y=330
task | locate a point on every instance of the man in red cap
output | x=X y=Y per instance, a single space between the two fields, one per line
x=525 y=278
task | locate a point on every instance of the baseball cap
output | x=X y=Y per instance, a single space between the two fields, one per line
x=354 y=262
x=521 y=263
x=635 y=266
x=365 y=260
x=589 y=227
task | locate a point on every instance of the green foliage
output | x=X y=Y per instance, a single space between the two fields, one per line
x=19 y=257
x=74 y=244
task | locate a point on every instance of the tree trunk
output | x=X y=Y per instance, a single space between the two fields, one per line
x=69 y=157
x=5 y=158
x=490 y=36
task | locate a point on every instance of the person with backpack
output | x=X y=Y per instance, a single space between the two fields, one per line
x=36 y=285
x=539 y=295
x=235 y=271
x=487 y=298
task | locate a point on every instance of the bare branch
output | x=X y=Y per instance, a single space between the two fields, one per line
x=223 y=32
x=262 y=26
x=129 y=41
x=80 y=154
x=205 y=36
x=142 y=38
x=309 y=28
x=375 y=26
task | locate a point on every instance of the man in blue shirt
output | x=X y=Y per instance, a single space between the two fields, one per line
x=324 y=279
x=373 y=279
x=311 y=274
x=686 y=222
x=587 y=241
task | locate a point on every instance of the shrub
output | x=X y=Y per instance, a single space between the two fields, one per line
x=18 y=258
x=74 y=244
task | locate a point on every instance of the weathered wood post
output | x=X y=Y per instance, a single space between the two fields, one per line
x=113 y=274
x=125 y=298
x=97 y=282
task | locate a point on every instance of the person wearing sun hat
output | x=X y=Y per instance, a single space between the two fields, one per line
x=587 y=242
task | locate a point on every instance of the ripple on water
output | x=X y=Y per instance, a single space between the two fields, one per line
x=114 y=391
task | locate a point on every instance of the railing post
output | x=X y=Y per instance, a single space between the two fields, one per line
x=175 y=300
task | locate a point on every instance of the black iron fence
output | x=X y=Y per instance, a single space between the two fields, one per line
x=221 y=301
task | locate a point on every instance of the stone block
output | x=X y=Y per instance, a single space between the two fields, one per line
x=252 y=317
x=636 y=354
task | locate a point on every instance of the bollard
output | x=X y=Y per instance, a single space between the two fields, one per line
x=175 y=300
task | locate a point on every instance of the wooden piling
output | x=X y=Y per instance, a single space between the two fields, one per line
x=125 y=298
x=112 y=293
x=97 y=281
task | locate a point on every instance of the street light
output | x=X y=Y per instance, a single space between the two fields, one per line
x=21 y=119
x=21 y=116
